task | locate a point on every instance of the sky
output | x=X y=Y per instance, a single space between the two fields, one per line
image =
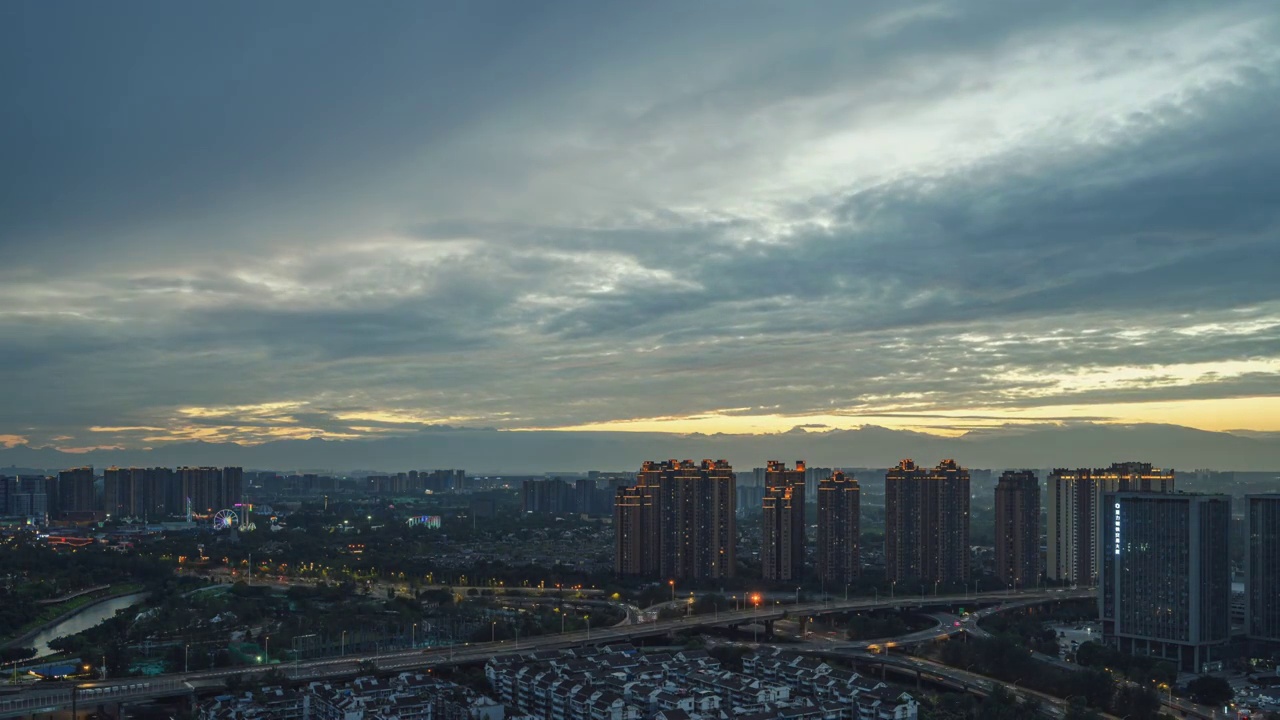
x=244 y=221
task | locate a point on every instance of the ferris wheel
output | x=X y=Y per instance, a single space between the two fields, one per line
x=225 y=520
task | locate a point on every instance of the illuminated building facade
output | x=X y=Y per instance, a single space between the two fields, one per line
x=210 y=488
x=927 y=523
x=635 y=522
x=1018 y=528
x=1165 y=582
x=677 y=522
x=839 y=525
x=1073 y=504
x=783 y=528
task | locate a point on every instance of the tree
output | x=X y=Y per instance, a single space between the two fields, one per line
x=1208 y=690
x=1077 y=710
x=697 y=642
x=1096 y=687
x=949 y=707
x=1164 y=672
x=440 y=597
x=8 y=655
x=1092 y=654
x=119 y=658
x=1136 y=702
x=709 y=604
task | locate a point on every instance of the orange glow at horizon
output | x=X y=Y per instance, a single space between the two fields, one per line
x=1217 y=415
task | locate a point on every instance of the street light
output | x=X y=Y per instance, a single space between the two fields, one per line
x=588 y=618
x=797 y=594
x=755 y=599
x=342 y=652
x=413 y=636
x=186 y=651
x=672 y=583
x=295 y=651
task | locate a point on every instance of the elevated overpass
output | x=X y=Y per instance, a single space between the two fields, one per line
x=944 y=675
x=53 y=696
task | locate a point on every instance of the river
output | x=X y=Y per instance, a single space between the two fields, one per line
x=81 y=621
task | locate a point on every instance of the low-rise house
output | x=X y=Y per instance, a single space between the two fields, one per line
x=409 y=696
x=621 y=683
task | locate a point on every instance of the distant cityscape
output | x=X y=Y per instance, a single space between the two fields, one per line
x=1191 y=579
x=1151 y=551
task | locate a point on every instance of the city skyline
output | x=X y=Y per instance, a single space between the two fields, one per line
x=571 y=360
x=221 y=224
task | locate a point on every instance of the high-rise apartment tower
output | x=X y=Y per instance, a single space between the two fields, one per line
x=839 y=524
x=1074 y=502
x=682 y=512
x=76 y=492
x=783 y=528
x=1017 y=531
x=927 y=523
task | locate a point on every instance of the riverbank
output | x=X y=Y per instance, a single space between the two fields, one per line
x=54 y=615
x=72 y=596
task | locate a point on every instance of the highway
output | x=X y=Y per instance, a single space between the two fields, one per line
x=960 y=679
x=950 y=626
x=50 y=697
x=1184 y=708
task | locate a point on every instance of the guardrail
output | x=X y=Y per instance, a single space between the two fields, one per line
x=88 y=697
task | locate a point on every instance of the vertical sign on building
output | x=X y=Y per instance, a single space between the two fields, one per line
x=1117 y=545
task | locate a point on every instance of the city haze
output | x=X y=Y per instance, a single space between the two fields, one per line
x=487 y=451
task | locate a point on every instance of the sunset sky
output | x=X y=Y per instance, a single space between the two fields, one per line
x=248 y=221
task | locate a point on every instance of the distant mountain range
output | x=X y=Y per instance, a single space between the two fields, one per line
x=487 y=451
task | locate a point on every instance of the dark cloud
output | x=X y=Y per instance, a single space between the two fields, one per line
x=382 y=220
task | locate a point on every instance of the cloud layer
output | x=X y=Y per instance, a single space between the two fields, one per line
x=245 y=224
